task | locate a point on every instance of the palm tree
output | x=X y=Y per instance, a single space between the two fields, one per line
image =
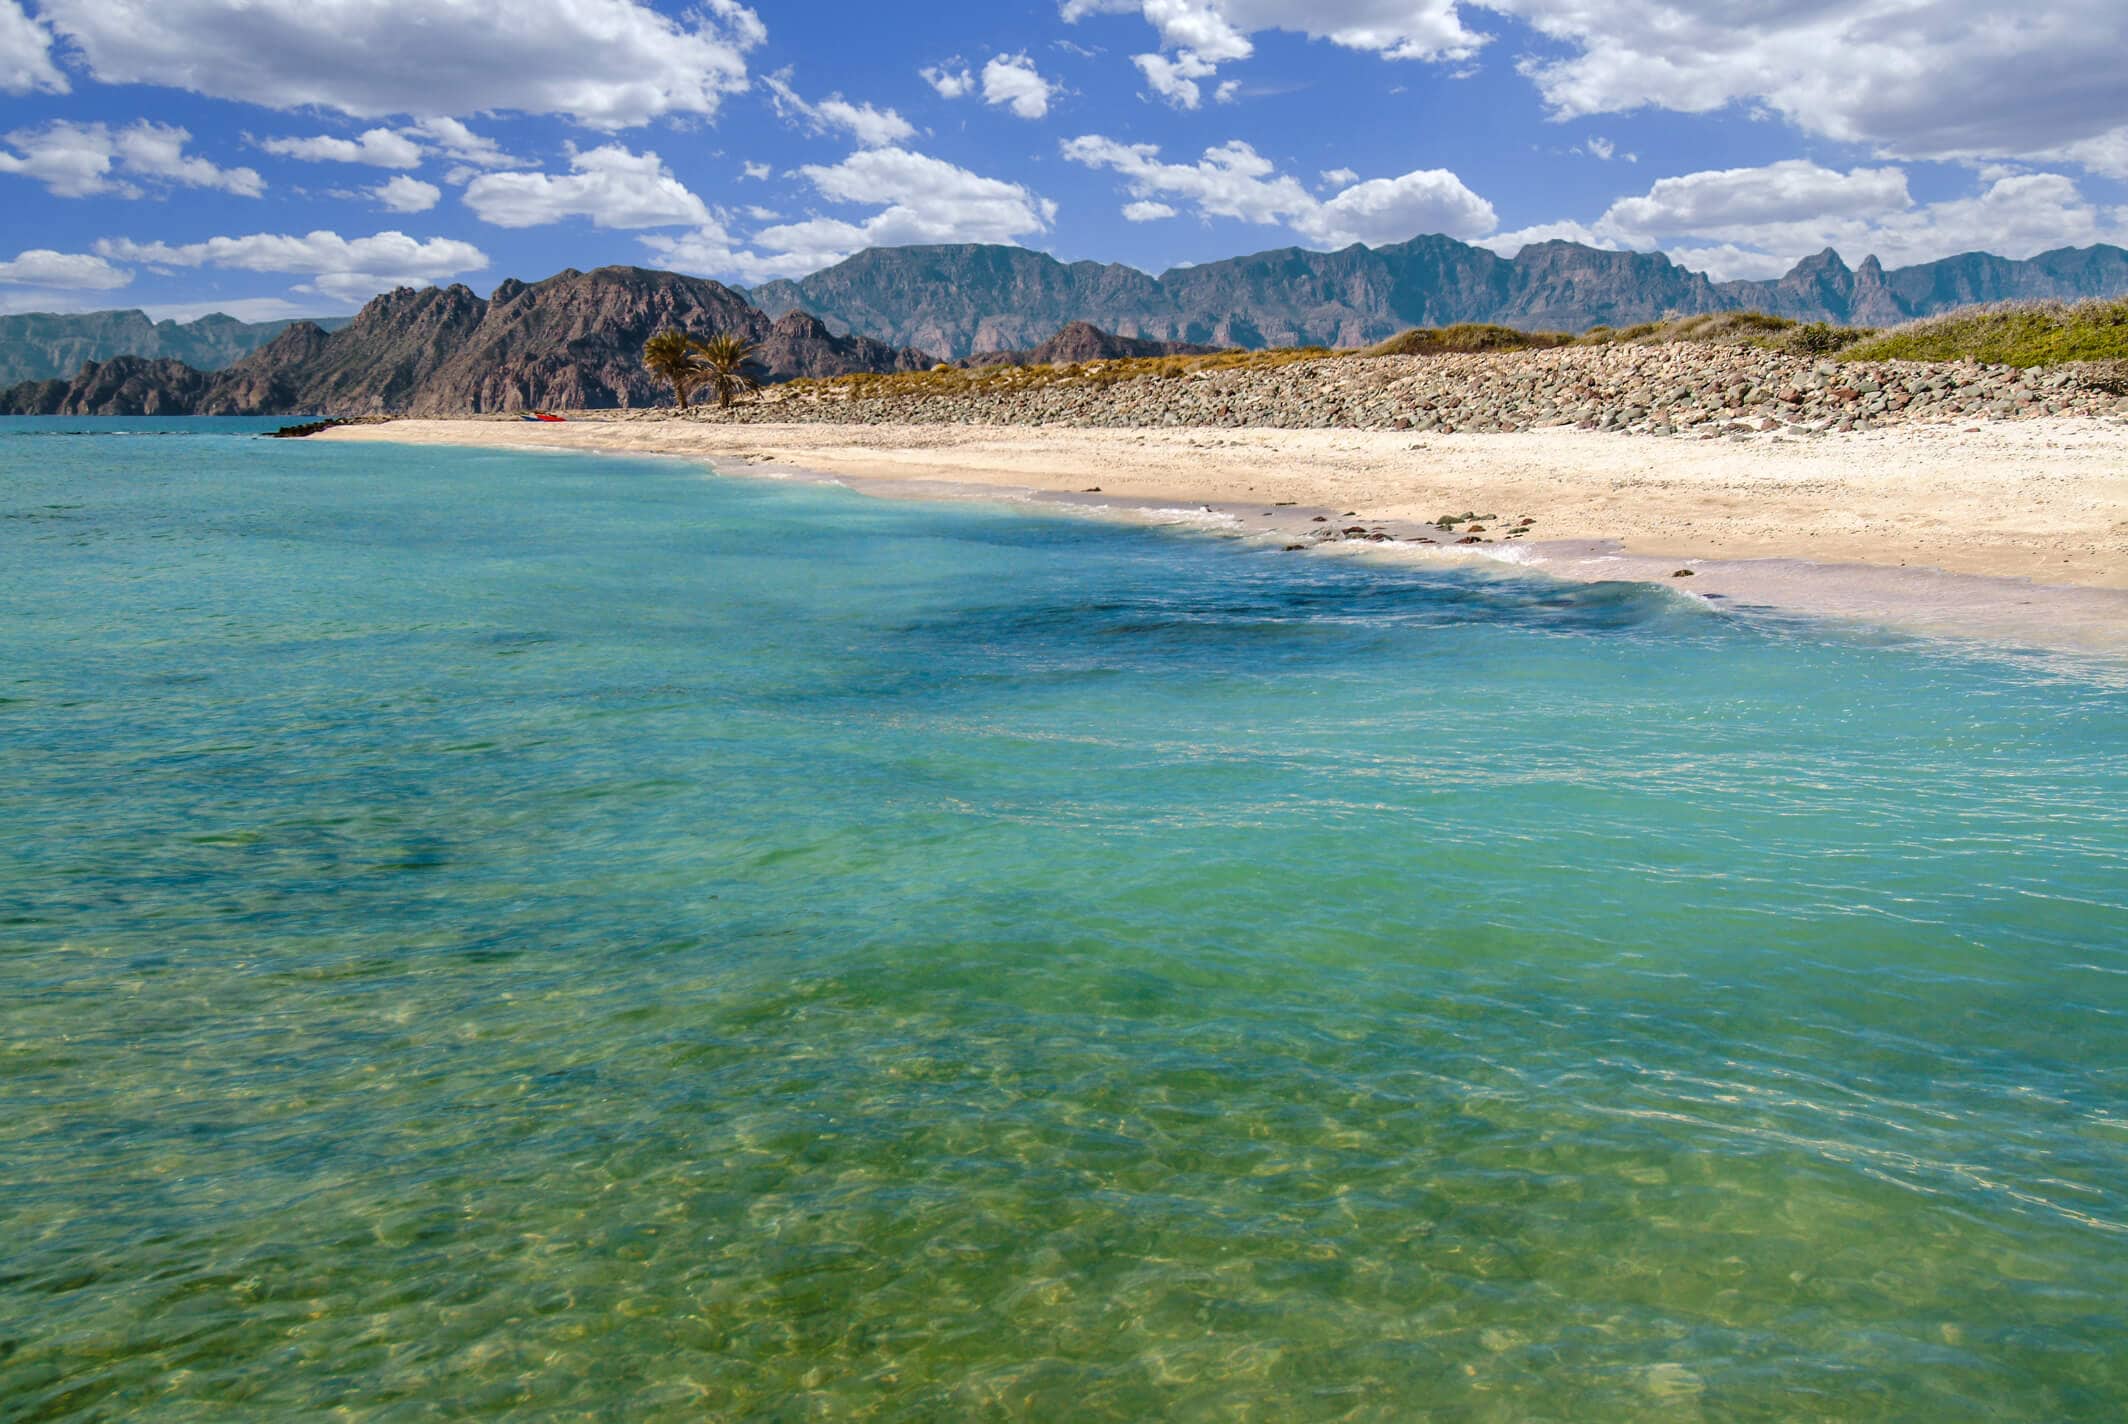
x=671 y=355
x=727 y=367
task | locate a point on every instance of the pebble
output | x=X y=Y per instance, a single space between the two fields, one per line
x=1681 y=390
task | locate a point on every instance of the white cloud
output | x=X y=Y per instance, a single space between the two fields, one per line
x=609 y=185
x=1012 y=80
x=2106 y=153
x=26 y=54
x=1339 y=177
x=1383 y=210
x=756 y=171
x=1175 y=80
x=1141 y=212
x=1915 y=78
x=1727 y=262
x=873 y=127
x=1949 y=78
x=918 y=198
x=74 y=270
x=1234 y=181
x=605 y=63
x=158 y=151
x=1732 y=203
x=1758 y=222
x=1201 y=35
x=242 y=308
x=952 y=79
x=1507 y=244
x=82 y=160
x=348 y=268
x=455 y=141
x=379 y=148
x=1599 y=147
x=402 y=194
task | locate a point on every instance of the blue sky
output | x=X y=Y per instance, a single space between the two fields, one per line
x=293 y=156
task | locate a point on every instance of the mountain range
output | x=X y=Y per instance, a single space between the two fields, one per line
x=575 y=340
x=960 y=300
x=36 y=346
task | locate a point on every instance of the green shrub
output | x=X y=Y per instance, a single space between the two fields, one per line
x=1816 y=339
x=2007 y=334
x=1466 y=337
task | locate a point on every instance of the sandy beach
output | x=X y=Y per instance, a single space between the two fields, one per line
x=2007 y=530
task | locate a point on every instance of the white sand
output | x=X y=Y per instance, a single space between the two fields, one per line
x=2036 y=512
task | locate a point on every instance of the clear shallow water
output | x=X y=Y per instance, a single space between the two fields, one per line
x=486 y=936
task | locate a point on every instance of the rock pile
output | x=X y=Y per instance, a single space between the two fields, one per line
x=1682 y=389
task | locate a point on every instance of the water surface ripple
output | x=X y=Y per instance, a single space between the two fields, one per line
x=490 y=936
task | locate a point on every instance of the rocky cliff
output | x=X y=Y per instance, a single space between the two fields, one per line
x=962 y=300
x=573 y=341
x=37 y=346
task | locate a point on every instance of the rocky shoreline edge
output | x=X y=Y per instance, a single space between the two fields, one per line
x=1684 y=389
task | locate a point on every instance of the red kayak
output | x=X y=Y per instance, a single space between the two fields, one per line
x=552 y=419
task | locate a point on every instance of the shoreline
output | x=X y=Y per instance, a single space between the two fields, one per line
x=2007 y=533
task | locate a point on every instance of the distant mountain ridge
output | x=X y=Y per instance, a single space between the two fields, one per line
x=572 y=341
x=575 y=340
x=965 y=299
x=36 y=346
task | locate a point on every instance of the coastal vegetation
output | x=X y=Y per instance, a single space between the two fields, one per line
x=1466 y=337
x=2091 y=336
x=670 y=356
x=2007 y=334
x=944 y=380
x=724 y=363
x=727 y=367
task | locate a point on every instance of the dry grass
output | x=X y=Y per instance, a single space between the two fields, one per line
x=2008 y=334
x=988 y=380
x=1466 y=338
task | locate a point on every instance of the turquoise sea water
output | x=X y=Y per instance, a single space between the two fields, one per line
x=510 y=937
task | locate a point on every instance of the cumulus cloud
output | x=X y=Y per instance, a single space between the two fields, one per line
x=1197 y=36
x=604 y=63
x=1758 y=222
x=402 y=194
x=1175 y=80
x=455 y=141
x=1141 y=212
x=43 y=267
x=1013 y=81
x=343 y=267
x=1008 y=80
x=1952 y=79
x=756 y=171
x=873 y=127
x=242 y=308
x=1507 y=244
x=26 y=54
x=1946 y=79
x=1339 y=177
x=84 y=160
x=916 y=198
x=609 y=185
x=379 y=148
x=952 y=80
x=1233 y=180
x=1731 y=203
